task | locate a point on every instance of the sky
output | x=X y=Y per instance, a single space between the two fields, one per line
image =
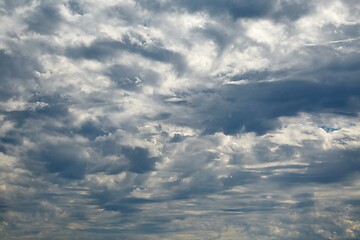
x=192 y=119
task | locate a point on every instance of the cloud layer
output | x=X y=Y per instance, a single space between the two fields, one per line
x=179 y=119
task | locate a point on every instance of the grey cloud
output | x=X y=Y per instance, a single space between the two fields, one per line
x=56 y=109
x=97 y=50
x=349 y=67
x=128 y=14
x=91 y=130
x=111 y=148
x=44 y=20
x=12 y=5
x=326 y=168
x=293 y=10
x=177 y=138
x=215 y=32
x=161 y=116
x=128 y=158
x=65 y=159
x=287 y=10
x=103 y=49
x=16 y=70
x=255 y=107
x=254 y=76
x=10 y=140
x=139 y=159
x=201 y=182
x=239 y=178
x=114 y=202
x=130 y=78
x=234 y=8
x=120 y=199
x=305 y=204
x=76 y=7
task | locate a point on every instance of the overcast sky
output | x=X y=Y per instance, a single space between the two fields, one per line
x=191 y=119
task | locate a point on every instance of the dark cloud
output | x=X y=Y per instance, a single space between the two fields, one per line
x=127 y=159
x=130 y=78
x=76 y=7
x=326 y=168
x=113 y=202
x=44 y=20
x=234 y=8
x=16 y=70
x=139 y=159
x=292 y=10
x=255 y=107
x=177 y=138
x=91 y=130
x=179 y=119
x=103 y=49
x=287 y=10
x=97 y=50
x=67 y=160
x=50 y=108
x=11 y=5
x=240 y=178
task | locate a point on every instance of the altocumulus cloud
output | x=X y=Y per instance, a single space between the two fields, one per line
x=167 y=119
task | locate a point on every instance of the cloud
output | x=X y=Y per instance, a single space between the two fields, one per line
x=236 y=9
x=36 y=21
x=179 y=119
x=130 y=78
x=17 y=70
x=329 y=171
x=66 y=160
x=275 y=99
x=133 y=44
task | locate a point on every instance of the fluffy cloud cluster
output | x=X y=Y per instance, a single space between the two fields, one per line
x=170 y=119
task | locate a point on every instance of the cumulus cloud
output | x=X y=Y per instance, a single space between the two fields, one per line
x=179 y=119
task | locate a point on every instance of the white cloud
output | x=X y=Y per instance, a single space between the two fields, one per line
x=162 y=119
